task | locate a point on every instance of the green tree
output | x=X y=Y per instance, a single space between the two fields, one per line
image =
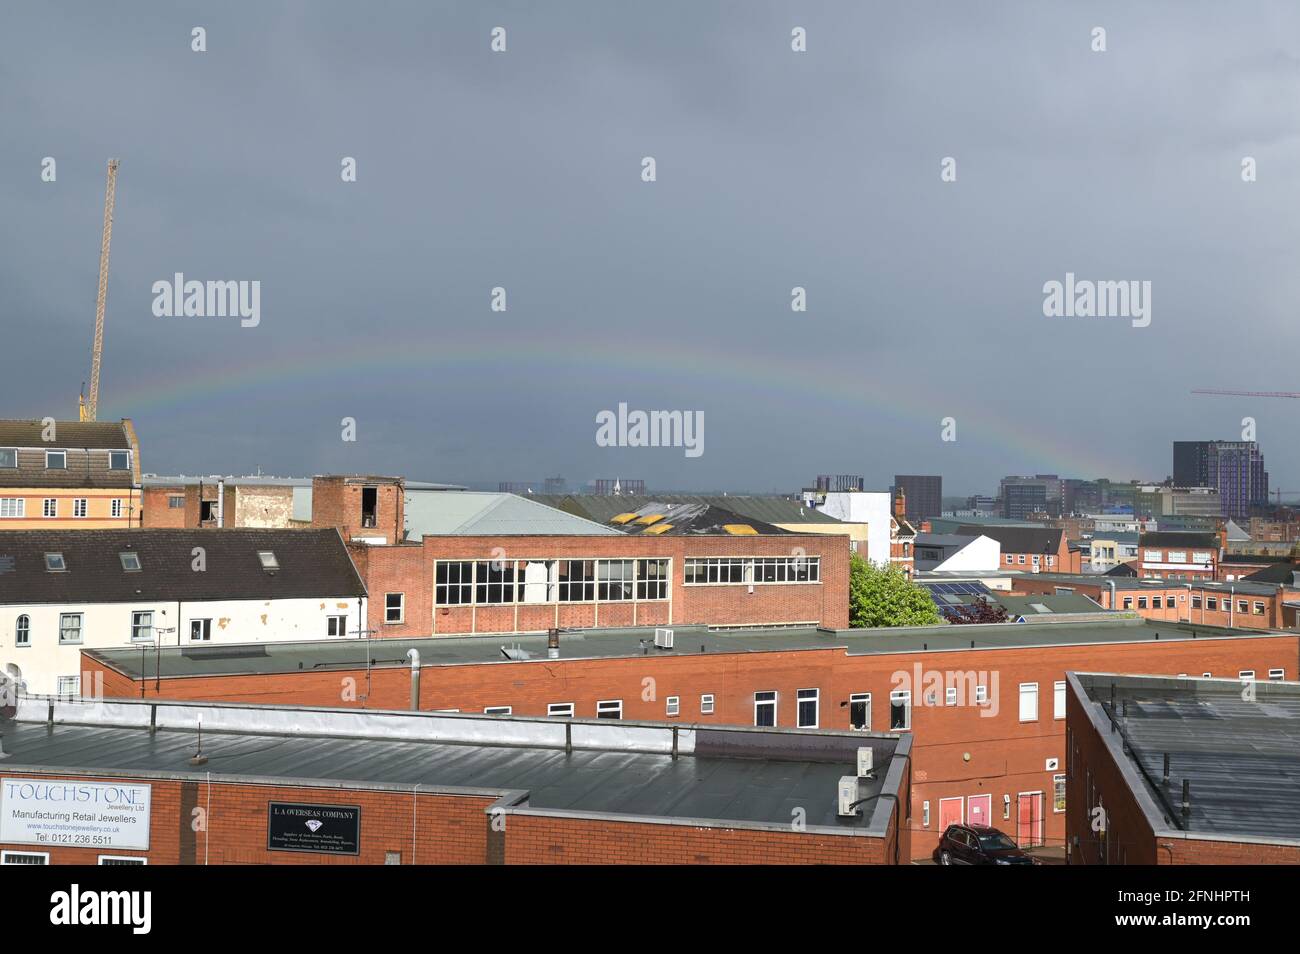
x=887 y=597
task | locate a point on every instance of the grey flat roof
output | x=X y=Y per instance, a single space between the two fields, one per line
x=1241 y=756
x=284 y=657
x=1126 y=583
x=756 y=777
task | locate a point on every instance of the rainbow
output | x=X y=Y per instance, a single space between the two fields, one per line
x=812 y=379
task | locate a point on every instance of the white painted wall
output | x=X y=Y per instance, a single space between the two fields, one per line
x=108 y=626
x=981 y=555
x=872 y=507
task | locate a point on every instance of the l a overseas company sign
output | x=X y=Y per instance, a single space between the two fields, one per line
x=74 y=814
x=323 y=829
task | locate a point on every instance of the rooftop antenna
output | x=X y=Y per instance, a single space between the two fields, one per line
x=198 y=758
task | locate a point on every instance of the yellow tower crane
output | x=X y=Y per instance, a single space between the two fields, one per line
x=89 y=406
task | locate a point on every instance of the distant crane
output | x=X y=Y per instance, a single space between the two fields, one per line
x=1270 y=394
x=89 y=405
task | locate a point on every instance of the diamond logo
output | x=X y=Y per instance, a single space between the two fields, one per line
x=314 y=825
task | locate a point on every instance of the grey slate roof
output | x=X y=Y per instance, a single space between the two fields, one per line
x=274 y=657
x=312 y=563
x=756 y=777
x=1017 y=539
x=1179 y=538
x=1241 y=758
x=773 y=510
x=99 y=435
x=473 y=513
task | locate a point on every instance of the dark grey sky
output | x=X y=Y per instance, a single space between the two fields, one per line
x=775 y=169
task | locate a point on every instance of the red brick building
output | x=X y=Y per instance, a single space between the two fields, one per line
x=984 y=703
x=1181 y=771
x=134 y=783
x=1030 y=549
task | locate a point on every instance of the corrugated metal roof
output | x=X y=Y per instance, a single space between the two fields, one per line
x=471 y=513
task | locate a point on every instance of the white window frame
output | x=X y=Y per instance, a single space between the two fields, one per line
x=122 y=558
x=498 y=710
x=80 y=618
x=22 y=634
x=136 y=626
x=205 y=628
x=11 y=450
x=122 y=859
x=706 y=703
x=1246 y=675
x=1058 y=779
x=1028 y=693
x=80 y=507
x=401 y=609
x=807 y=695
x=50 y=508
x=673 y=706
x=5 y=857
x=606 y=706
x=48 y=453
x=559 y=710
x=1058 y=700
x=110 y=460
x=342 y=621
x=905 y=697
x=764 y=703
x=950 y=696
x=865 y=699
x=13 y=508
x=1276 y=675
x=67 y=687
x=115 y=508
x=981 y=695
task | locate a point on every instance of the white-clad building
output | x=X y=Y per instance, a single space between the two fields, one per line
x=65 y=590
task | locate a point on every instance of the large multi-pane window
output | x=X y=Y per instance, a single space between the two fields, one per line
x=493 y=582
x=142 y=625
x=652 y=579
x=453 y=582
x=614 y=579
x=69 y=627
x=728 y=570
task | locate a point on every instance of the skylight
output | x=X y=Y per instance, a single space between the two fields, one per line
x=130 y=561
x=268 y=559
x=54 y=563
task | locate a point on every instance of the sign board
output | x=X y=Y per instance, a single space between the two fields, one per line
x=75 y=814
x=321 y=829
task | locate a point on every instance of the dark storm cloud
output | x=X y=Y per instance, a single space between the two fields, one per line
x=775 y=169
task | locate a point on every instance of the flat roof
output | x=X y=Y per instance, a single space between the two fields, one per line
x=352 y=653
x=757 y=778
x=1126 y=583
x=1240 y=754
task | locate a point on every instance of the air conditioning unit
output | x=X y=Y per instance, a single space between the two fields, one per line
x=866 y=761
x=848 y=796
x=663 y=639
x=1053 y=764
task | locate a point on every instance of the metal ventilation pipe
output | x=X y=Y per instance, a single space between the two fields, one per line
x=553 y=644
x=1111 y=584
x=414 y=656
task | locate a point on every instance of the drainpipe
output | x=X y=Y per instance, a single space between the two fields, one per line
x=221 y=504
x=414 y=656
x=1232 y=603
x=1111 y=584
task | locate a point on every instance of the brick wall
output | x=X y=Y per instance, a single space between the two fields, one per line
x=957 y=751
x=409 y=569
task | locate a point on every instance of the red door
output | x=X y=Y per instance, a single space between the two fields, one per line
x=950 y=812
x=1029 y=819
x=979 y=809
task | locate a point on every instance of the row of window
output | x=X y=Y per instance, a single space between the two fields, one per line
x=58 y=459
x=130 y=560
x=1019 y=559
x=1174 y=556
x=43 y=858
x=1254 y=607
x=495 y=582
x=16 y=507
x=71 y=624
x=702 y=571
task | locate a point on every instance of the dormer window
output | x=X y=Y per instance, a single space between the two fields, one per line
x=8 y=457
x=54 y=563
x=269 y=562
x=56 y=460
x=130 y=561
x=119 y=460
